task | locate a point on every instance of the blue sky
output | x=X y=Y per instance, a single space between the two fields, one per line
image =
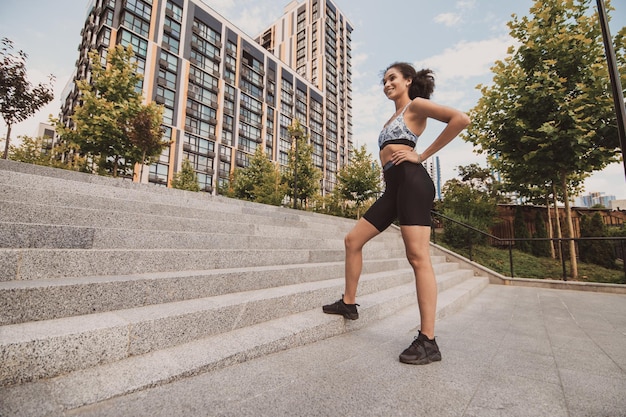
x=458 y=39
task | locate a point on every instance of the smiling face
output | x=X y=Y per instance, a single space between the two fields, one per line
x=394 y=84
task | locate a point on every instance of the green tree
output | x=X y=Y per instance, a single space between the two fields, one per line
x=540 y=247
x=111 y=124
x=146 y=133
x=301 y=177
x=260 y=181
x=271 y=189
x=470 y=201
x=19 y=100
x=597 y=252
x=186 y=178
x=520 y=230
x=31 y=151
x=359 y=181
x=548 y=117
x=35 y=151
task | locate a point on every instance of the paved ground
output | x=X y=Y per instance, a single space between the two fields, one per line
x=511 y=352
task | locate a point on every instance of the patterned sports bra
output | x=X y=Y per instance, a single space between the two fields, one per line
x=396 y=132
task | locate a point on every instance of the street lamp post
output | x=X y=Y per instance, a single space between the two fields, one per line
x=616 y=84
x=295 y=172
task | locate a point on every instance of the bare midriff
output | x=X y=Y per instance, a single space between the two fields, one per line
x=386 y=152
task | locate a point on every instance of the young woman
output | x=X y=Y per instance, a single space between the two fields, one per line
x=408 y=197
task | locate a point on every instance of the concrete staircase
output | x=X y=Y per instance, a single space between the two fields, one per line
x=109 y=287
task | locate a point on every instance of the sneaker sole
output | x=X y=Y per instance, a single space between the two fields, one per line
x=424 y=361
x=349 y=316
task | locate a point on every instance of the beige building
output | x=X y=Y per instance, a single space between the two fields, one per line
x=224 y=93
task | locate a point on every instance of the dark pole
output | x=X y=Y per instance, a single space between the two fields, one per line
x=616 y=84
x=295 y=173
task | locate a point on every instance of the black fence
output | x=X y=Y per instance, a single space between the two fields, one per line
x=477 y=235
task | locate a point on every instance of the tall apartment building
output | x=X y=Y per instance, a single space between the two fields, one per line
x=315 y=38
x=434 y=170
x=596 y=198
x=225 y=94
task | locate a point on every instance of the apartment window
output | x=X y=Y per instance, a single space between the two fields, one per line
x=172 y=27
x=246 y=145
x=200 y=146
x=201 y=111
x=199 y=127
x=203 y=79
x=251 y=103
x=174 y=11
x=108 y=18
x=136 y=24
x=140 y=46
x=207 y=33
x=139 y=8
x=165 y=96
x=168 y=61
x=167 y=79
x=227 y=137
x=170 y=43
x=249 y=132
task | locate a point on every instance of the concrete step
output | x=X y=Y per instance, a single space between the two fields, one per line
x=23 y=301
x=61 y=394
x=22 y=182
x=54 y=347
x=46 y=236
x=38 y=264
x=108 y=287
x=68 y=202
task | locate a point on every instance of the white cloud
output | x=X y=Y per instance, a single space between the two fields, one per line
x=467 y=59
x=465 y=4
x=448 y=19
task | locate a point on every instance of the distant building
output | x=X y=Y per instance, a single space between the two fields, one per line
x=226 y=94
x=596 y=198
x=434 y=170
x=617 y=205
x=46 y=132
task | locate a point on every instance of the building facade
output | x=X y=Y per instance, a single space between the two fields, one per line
x=314 y=38
x=596 y=199
x=224 y=94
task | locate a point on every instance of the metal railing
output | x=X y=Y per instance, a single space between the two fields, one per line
x=510 y=243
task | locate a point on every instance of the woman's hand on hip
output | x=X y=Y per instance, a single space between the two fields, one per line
x=405 y=155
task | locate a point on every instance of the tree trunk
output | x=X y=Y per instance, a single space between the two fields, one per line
x=559 y=233
x=6 y=145
x=550 y=231
x=570 y=230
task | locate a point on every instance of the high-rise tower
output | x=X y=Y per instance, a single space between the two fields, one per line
x=314 y=37
x=223 y=93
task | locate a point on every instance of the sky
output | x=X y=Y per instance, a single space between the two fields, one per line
x=460 y=40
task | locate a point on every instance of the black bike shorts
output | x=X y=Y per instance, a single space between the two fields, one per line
x=408 y=197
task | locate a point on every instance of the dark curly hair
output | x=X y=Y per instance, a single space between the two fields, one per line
x=422 y=81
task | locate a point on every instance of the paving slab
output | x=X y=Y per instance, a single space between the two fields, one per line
x=512 y=351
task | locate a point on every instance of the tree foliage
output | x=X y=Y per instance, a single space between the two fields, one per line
x=35 y=150
x=111 y=124
x=540 y=247
x=548 y=117
x=260 y=181
x=186 y=178
x=19 y=100
x=359 y=181
x=520 y=230
x=598 y=252
x=471 y=200
x=301 y=170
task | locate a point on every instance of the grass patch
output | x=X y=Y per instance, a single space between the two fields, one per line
x=528 y=266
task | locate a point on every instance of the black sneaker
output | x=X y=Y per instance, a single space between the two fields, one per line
x=421 y=352
x=349 y=311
